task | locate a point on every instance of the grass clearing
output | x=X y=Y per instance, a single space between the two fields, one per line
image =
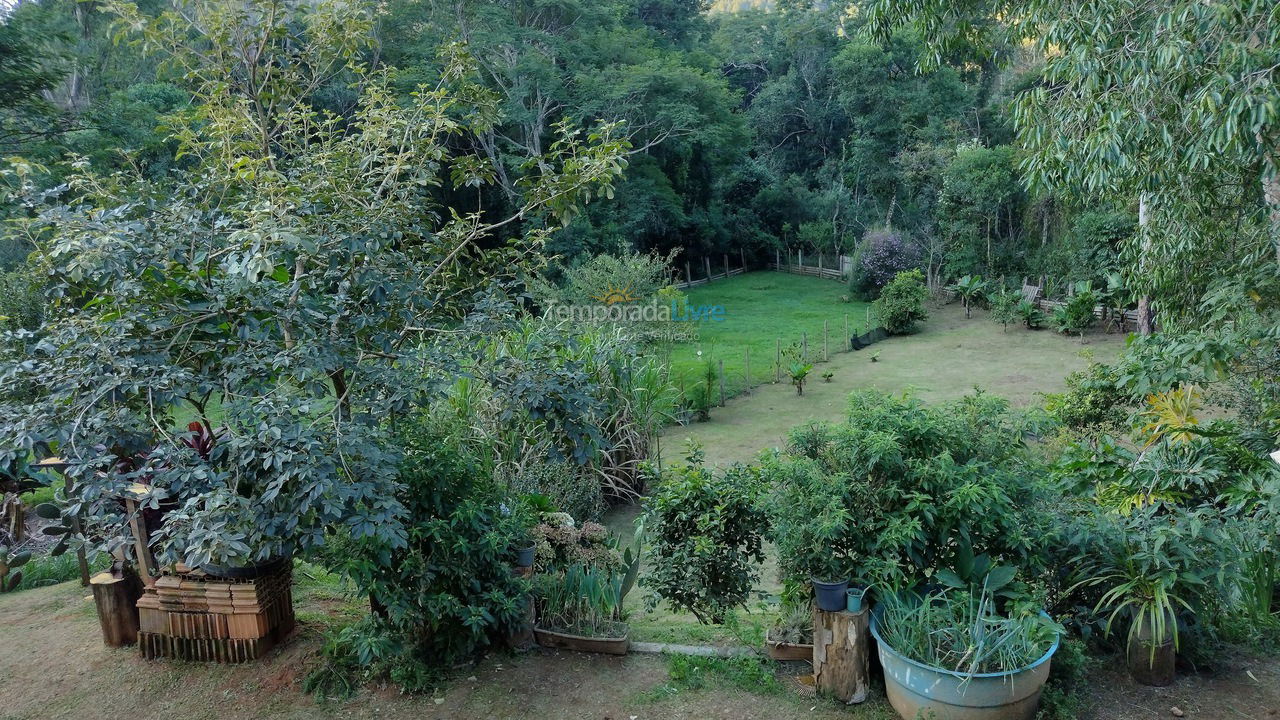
x=761 y=309
x=947 y=358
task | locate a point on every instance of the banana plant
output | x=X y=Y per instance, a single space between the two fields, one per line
x=969 y=288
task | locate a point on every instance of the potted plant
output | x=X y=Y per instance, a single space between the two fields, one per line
x=951 y=654
x=854 y=597
x=791 y=636
x=581 y=609
x=830 y=592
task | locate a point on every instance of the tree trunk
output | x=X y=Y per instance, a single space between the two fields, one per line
x=841 y=654
x=1271 y=193
x=116 y=597
x=1146 y=320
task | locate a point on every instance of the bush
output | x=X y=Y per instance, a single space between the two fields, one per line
x=706 y=531
x=888 y=496
x=1077 y=315
x=449 y=593
x=1091 y=399
x=1004 y=307
x=571 y=488
x=884 y=254
x=901 y=303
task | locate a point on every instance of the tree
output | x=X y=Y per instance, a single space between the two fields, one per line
x=1172 y=104
x=280 y=295
x=969 y=288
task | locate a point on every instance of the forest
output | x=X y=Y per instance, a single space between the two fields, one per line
x=755 y=131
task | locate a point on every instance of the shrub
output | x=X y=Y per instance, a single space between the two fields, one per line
x=1092 y=398
x=1077 y=315
x=569 y=487
x=888 y=496
x=449 y=592
x=1004 y=307
x=901 y=303
x=706 y=530
x=1030 y=315
x=884 y=254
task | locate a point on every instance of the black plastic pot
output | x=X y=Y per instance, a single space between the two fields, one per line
x=524 y=556
x=830 y=596
x=245 y=572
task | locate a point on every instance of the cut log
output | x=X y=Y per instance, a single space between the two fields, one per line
x=841 y=653
x=116 y=595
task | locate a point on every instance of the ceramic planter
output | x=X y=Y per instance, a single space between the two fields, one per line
x=582 y=643
x=917 y=690
x=830 y=596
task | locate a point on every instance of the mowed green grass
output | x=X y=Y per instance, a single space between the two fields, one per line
x=761 y=310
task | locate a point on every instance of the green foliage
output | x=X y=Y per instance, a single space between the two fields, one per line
x=980 y=189
x=568 y=486
x=963 y=632
x=706 y=531
x=889 y=496
x=901 y=303
x=1077 y=315
x=1031 y=316
x=607 y=278
x=971 y=289
x=749 y=674
x=1092 y=398
x=1061 y=698
x=448 y=592
x=1005 y=306
x=798 y=372
x=581 y=601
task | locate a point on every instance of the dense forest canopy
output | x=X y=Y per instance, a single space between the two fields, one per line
x=762 y=128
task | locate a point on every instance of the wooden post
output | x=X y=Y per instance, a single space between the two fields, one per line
x=742 y=259
x=804 y=347
x=116 y=596
x=726 y=266
x=777 y=360
x=800 y=259
x=848 y=342
x=722 y=383
x=777 y=258
x=841 y=654
x=688 y=276
x=706 y=263
x=15 y=517
x=746 y=360
x=826 y=354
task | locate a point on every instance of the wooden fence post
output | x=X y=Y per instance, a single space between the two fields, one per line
x=826 y=354
x=722 y=383
x=688 y=276
x=742 y=259
x=804 y=347
x=706 y=262
x=847 y=342
x=747 y=363
x=726 y=266
x=800 y=259
x=777 y=258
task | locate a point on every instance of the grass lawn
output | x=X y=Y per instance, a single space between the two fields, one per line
x=762 y=309
x=947 y=358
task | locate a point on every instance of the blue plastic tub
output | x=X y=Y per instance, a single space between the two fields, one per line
x=917 y=690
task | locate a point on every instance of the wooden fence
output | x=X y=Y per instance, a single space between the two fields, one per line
x=723 y=267
x=783 y=264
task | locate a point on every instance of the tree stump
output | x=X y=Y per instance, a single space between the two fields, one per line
x=841 y=653
x=116 y=595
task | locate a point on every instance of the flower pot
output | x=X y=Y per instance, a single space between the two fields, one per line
x=788 y=651
x=918 y=690
x=1151 y=660
x=853 y=599
x=830 y=596
x=524 y=556
x=581 y=643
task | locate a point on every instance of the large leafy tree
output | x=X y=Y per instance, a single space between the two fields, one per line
x=1174 y=105
x=282 y=294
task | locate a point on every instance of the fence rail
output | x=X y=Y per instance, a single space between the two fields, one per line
x=828 y=273
x=703 y=281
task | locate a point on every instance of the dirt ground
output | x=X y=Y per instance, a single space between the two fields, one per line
x=53 y=665
x=946 y=359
